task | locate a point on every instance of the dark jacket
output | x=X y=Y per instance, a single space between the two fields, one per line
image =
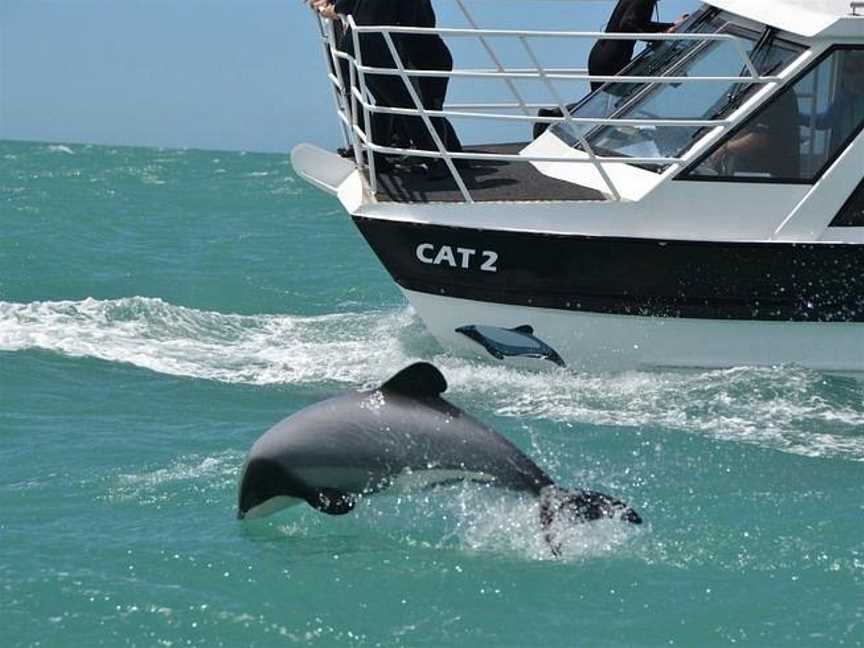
x=405 y=13
x=417 y=50
x=609 y=57
x=634 y=16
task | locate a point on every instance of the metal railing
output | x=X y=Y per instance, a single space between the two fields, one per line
x=355 y=90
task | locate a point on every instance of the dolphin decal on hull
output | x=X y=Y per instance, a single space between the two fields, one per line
x=519 y=342
x=403 y=435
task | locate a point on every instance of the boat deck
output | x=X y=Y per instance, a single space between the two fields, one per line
x=487 y=181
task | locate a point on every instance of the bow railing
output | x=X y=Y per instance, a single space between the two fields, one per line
x=357 y=123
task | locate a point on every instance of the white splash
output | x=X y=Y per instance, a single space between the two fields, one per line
x=784 y=408
x=60 y=148
x=206 y=476
x=258 y=349
x=473 y=518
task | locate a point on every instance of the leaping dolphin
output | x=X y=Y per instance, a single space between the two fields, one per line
x=402 y=435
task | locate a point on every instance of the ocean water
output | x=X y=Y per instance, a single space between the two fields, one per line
x=159 y=310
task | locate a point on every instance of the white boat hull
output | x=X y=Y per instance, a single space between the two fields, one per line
x=600 y=342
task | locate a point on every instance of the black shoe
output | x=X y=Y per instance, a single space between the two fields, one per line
x=437 y=170
x=383 y=165
x=345 y=152
x=541 y=127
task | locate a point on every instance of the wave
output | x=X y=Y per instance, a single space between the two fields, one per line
x=60 y=148
x=183 y=480
x=784 y=408
x=252 y=349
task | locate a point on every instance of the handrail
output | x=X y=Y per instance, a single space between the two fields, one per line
x=497 y=61
x=592 y=35
x=356 y=96
x=418 y=104
x=562 y=108
x=591 y=121
x=327 y=37
x=605 y=78
x=358 y=65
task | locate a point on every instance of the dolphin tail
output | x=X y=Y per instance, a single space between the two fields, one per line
x=332 y=501
x=558 y=505
x=579 y=506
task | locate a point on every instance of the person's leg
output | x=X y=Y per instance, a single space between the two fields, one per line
x=391 y=91
x=607 y=58
x=434 y=89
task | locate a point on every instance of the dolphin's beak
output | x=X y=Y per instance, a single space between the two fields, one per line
x=631 y=516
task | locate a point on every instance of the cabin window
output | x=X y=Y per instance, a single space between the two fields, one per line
x=655 y=59
x=704 y=100
x=800 y=132
x=852 y=213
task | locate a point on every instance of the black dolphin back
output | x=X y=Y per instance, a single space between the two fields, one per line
x=420 y=380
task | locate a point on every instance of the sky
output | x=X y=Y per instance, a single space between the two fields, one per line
x=223 y=74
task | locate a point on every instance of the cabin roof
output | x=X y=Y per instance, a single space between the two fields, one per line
x=809 y=18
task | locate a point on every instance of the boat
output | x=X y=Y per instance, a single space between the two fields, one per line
x=703 y=208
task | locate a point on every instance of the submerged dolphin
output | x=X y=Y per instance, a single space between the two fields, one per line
x=515 y=342
x=402 y=435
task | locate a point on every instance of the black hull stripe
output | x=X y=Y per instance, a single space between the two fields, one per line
x=792 y=282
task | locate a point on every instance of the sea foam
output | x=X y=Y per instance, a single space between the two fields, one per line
x=784 y=408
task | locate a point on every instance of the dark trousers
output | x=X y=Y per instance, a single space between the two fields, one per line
x=608 y=58
x=432 y=53
x=417 y=52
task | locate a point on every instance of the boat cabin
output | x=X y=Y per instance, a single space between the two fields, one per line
x=718 y=178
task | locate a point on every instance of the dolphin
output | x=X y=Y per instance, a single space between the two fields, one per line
x=514 y=342
x=401 y=436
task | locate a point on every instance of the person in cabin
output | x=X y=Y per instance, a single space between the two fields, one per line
x=769 y=145
x=416 y=51
x=846 y=112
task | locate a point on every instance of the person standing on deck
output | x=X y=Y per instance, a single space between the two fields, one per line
x=609 y=57
x=418 y=51
x=430 y=52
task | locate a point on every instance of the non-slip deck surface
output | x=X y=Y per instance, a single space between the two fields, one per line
x=487 y=181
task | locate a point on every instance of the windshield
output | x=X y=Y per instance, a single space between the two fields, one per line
x=703 y=100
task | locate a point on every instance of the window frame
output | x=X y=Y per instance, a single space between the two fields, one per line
x=728 y=26
x=686 y=174
x=709 y=14
x=647 y=88
x=845 y=218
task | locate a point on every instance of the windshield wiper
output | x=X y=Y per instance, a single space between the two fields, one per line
x=761 y=50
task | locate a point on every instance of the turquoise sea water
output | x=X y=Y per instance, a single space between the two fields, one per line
x=159 y=310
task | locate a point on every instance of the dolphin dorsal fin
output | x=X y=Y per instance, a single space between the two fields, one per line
x=421 y=380
x=525 y=328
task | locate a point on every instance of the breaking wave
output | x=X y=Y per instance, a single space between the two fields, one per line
x=256 y=349
x=784 y=408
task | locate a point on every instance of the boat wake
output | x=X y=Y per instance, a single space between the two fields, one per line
x=784 y=408
x=256 y=349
